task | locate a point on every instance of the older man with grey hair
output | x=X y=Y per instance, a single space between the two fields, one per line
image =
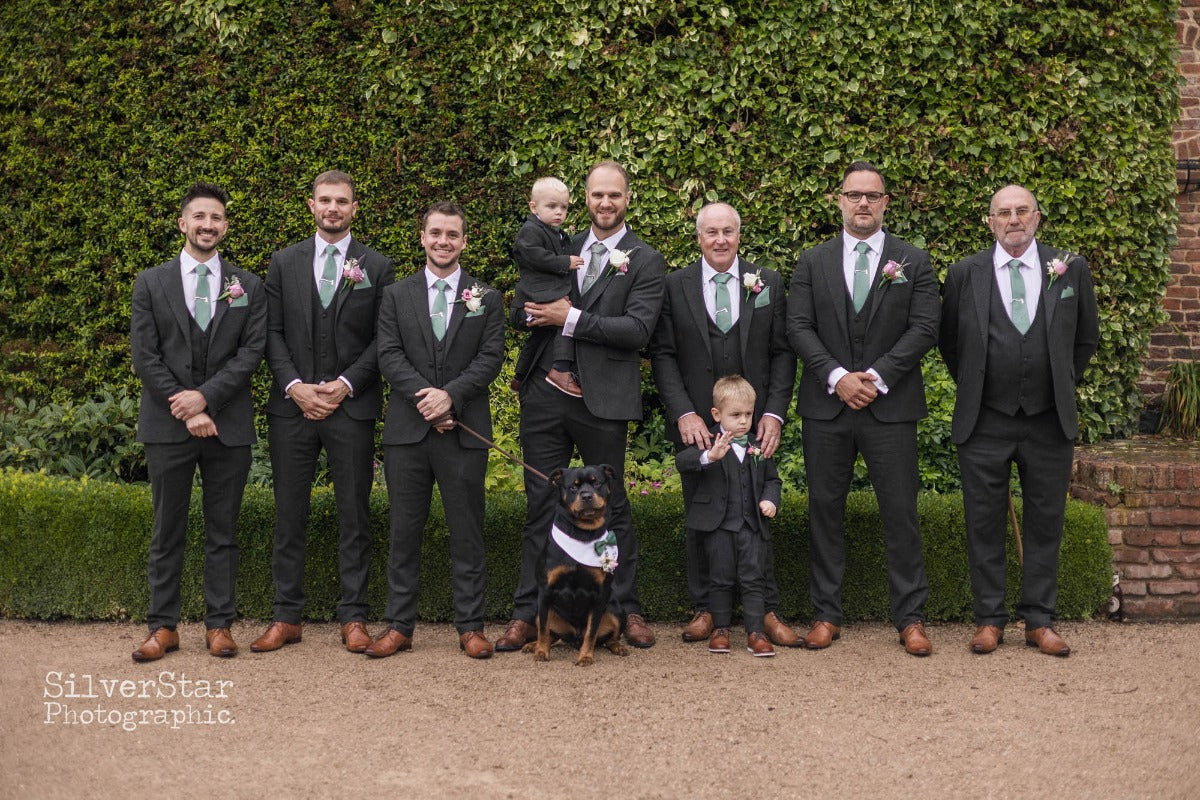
x=722 y=316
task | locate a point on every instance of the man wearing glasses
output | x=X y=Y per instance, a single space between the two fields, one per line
x=1019 y=326
x=862 y=311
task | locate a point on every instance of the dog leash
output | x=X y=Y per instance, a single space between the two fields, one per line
x=499 y=450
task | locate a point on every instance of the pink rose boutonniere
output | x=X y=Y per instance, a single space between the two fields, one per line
x=473 y=299
x=755 y=452
x=233 y=290
x=1056 y=268
x=893 y=273
x=618 y=260
x=352 y=272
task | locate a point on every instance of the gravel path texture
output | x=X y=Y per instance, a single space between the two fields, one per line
x=1119 y=718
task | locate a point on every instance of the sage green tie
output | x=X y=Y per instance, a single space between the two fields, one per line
x=328 y=280
x=202 y=307
x=438 y=317
x=724 y=315
x=1020 y=309
x=862 y=276
x=593 y=267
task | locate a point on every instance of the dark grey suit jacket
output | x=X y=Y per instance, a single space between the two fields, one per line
x=708 y=504
x=290 y=321
x=680 y=351
x=902 y=325
x=473 y=351
x=1072 y=330
x=619 y=313
x=161 y=342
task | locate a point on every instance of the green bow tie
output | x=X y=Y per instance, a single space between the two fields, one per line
x=742 y=440
x=609 y=540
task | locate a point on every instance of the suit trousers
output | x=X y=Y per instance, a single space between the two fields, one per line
x=553 y=426
x=735 y=558
x=223 y=472
x=890 y=452
x=412 y=470
x=1043 y=456
x=697 y=561
x=349 y=446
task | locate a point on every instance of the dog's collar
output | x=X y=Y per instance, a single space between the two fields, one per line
x=599 y=552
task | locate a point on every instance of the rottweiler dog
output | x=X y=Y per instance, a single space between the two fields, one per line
x=575 y=570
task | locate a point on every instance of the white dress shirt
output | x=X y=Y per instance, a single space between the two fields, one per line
x=610 y=244
x=849 y=259
x=187 y=269
x=710 y=290
x=1031 y=272
x=451 y=293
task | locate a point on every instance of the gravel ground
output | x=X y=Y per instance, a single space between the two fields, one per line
x=1120 y=718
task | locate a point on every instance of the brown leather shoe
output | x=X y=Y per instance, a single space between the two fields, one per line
x=220 y=642
x=779 y=632
x=821 y=635
x=637 y=632
x=759 y=645
x=1048 y=641
x=160 y=642
x=276 y=636
x=700 y=628
x=565 y=382
x=475 y=644
x=719 y=641
x=355 y=636
x=986 y=639
x=516 y=635
x=389 y=642
x=915 y=641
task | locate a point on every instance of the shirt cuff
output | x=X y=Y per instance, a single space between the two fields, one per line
x=349 y=385
x=835 y=376
x=879 y=384
x=704 y=461
x=773 y=416
x=572 y=320
x=685 y=414
x=287 y=390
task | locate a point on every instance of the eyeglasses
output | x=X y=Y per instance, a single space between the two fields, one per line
x=872 y=197
x=1005 y=214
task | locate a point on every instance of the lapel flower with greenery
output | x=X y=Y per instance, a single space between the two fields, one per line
x=233 y=290
x=472 y=298
x=752 y=282
x=893 y=273
x=755 y=452
x=618 y=260
x=1056 y=268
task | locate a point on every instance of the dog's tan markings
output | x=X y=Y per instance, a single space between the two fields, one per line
x=609 y=626
x=555 y=573
x=587 y=648
x=597 y=574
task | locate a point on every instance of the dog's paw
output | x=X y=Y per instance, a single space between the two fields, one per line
x=528 y=648
x=585 y=661
x=617 y=648
x=541 y=655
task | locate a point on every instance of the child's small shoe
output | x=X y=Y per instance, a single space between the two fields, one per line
x=759 y=645
x=719 y=641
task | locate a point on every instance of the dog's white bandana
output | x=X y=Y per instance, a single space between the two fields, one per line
x=599 y=552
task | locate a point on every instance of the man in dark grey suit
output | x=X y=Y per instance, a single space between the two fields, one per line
x=323 y=298
x=862 y=311
x=611 y=314
x=441 y=344
x=1019 y=325
x=723 y=316
x=197 y=335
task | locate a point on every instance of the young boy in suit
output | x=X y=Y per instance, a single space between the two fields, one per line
x=738 y=491
x=544 y=267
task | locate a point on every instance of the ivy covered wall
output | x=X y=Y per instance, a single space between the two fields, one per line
x=108 y=110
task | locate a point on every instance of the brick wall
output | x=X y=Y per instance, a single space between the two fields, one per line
x=1179 y=339
x=1150 y=489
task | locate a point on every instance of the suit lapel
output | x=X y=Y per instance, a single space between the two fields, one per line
x=693 y=296
x=1049 y=297
x=982 y=277
x=302 y=282
x=355 y=250
x=746 y=312
x=876 y=291
x=829 y=273
x=222 y=305
x=172 y=285
x=457 y=310
x=588 y=299
x=417 y=297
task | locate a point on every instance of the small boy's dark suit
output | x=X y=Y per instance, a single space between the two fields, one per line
x=724 y=510
x=543 y=256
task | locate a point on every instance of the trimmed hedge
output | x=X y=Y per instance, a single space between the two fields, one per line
x=77 y=549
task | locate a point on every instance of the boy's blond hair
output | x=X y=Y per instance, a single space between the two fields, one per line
x=548 y=184
x=732 y=388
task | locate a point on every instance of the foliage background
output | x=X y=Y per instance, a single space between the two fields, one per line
x=108 y=110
